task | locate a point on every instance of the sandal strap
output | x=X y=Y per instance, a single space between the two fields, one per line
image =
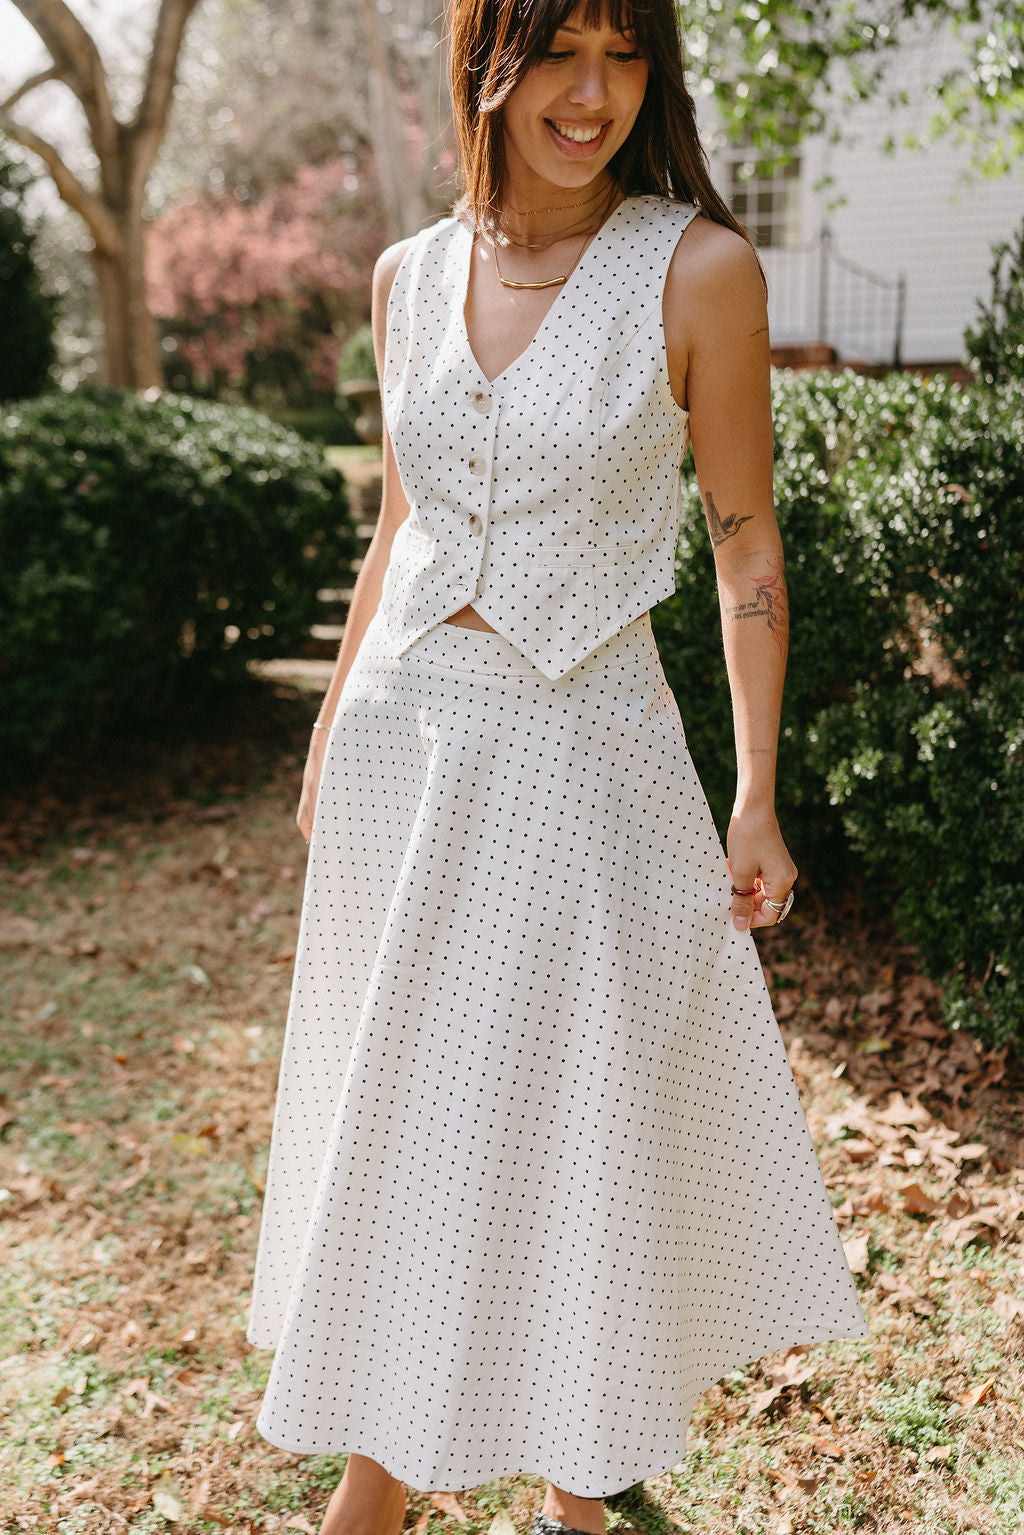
x=544 y=1524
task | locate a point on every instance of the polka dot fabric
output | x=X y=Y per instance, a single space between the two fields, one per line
x=539 y=1173
x=548 y=497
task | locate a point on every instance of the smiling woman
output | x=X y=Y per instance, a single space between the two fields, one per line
x=539 y=1172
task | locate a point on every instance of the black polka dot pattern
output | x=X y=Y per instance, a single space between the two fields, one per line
x=548 y=497
x=539 y=1173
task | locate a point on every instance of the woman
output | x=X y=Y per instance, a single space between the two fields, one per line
x=539 y=1174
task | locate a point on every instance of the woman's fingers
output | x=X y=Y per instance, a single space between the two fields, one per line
x=777 y=891
x=745 y=887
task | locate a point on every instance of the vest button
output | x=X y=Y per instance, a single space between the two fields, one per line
x=475 y=525
x=481 y=402
x=477 y=466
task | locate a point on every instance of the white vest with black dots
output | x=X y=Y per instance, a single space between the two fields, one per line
x=548 y=497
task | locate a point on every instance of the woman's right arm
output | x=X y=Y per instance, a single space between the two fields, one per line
x=394 y=509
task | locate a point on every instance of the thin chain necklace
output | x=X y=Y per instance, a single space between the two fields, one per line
x=561 y=234
x=562 y=208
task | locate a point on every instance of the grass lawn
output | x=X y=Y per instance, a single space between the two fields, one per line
x=149 y=921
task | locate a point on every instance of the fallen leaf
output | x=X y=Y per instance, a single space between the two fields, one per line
x=899 y=1292
x=168 y=1503
x=977 y=1395
x=938 y=1452
x=774 y=1474
x=501 y=1524
x=856 y=1250
x=808 y=1483
x=917 y=1202
x=82 y=1489
x=859 y=1150
x=983 y=1225
x=828 y=1447
x=297 y=1522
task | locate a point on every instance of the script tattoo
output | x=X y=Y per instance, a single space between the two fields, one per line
x=768 y=601
x=722 y=527
x=760 y=331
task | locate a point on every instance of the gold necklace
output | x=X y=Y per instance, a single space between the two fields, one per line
x=561 y=234
x=551 y=282
x=563 y=208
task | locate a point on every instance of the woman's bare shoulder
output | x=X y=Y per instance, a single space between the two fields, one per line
x=714 y=258
x=387 y=264
x=714 y=273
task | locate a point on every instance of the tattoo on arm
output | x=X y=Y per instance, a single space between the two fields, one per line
x=760 y=330
x=721 y=527
x=768 y=600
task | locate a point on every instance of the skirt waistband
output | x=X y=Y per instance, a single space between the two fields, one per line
x=459 y=648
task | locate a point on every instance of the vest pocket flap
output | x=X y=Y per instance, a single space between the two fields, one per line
x=587 y=554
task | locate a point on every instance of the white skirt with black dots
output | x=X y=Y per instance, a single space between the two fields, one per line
x=539 y=1173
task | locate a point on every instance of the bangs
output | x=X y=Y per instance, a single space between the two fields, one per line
x=540 y=21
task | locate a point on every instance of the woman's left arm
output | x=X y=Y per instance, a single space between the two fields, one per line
x=716 y=329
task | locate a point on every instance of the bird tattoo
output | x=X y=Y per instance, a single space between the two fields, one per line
x=723 y=527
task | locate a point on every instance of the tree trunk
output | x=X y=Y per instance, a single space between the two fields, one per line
x=405 y=206
x=131 y=354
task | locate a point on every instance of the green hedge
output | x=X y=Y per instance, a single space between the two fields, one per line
x=900 y=502
x=133 y=533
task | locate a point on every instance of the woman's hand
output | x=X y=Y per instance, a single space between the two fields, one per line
x=311 y=782
x=758 y=861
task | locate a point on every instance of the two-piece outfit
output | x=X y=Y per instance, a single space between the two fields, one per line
x=539 y=1173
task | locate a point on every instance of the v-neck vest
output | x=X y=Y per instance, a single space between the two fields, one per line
x=548 y=497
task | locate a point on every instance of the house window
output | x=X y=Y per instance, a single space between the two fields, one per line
x=766 y=200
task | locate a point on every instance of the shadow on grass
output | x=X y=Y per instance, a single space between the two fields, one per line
x=219 y=744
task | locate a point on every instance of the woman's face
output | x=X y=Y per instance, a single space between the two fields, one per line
x=574 y=109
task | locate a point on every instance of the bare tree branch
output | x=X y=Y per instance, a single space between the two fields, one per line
x=163 y=62
x=30 y=85
x=77 y=57
x=150 y=122
x=77 y=196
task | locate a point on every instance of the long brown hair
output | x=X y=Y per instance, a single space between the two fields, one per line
x=491 y=46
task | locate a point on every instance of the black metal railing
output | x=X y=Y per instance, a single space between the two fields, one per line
x=818 y=296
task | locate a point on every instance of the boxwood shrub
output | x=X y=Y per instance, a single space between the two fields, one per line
x=148 y=543
x=902 y=743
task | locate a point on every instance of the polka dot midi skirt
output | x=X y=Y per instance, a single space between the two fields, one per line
x=539 y=1175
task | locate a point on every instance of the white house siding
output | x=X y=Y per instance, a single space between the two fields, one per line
x=908 y=212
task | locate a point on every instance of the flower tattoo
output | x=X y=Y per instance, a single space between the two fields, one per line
x=769 y=601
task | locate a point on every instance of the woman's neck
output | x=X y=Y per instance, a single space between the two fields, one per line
x=535 y=213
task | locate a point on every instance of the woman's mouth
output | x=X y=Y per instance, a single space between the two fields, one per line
x=577 y=139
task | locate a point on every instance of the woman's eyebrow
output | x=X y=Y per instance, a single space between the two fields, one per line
x=578 y=31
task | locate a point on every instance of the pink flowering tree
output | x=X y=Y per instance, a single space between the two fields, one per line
x=256 y=298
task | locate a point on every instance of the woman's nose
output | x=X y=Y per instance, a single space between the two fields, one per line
x=590 y=85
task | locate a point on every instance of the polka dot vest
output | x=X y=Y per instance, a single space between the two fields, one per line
x=548 y=496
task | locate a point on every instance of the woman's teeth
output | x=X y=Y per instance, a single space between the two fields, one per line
x=578 y=135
